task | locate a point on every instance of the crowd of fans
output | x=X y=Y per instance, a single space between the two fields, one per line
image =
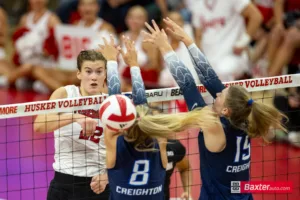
x=241 y=39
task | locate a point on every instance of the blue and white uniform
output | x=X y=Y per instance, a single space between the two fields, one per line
x=233 y=162
x=136 y=175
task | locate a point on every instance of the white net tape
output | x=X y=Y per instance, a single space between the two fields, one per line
x=155 y=95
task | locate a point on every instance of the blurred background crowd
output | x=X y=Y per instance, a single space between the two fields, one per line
x=40 y=40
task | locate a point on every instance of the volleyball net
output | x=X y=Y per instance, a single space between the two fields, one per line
x=26 y=158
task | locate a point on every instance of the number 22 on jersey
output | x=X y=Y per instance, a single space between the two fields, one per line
x=94 y=138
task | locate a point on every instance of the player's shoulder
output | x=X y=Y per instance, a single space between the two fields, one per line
x=60 y=93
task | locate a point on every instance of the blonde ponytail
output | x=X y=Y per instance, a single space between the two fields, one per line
x=165 y=125
x=253 y=117
x=261 y=118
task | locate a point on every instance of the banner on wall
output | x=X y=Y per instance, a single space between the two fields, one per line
x=71 y=40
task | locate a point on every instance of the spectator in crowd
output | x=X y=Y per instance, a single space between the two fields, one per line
x=290 y=106
x=34 y=45
x=88 y=10
x=261 y=38
x=54 y=78
x=5 y=66
x=148 y=55
x=181 y=7
x=68 y=11
x=285 y=37
x=115 y=11
x=222 y=33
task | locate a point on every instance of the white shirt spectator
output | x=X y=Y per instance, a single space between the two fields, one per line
x=222 y=25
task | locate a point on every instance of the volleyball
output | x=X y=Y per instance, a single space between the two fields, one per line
x=117 y=112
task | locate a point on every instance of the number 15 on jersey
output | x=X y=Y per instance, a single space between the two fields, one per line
x=242 y=149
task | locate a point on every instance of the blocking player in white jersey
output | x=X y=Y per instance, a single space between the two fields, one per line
x=80 y=152
x=222 y=33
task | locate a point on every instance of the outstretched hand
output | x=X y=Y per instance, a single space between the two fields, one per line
x=157 y=37
x=109 y=49
x=177 y=32
x=130 y=56
x=98 y=183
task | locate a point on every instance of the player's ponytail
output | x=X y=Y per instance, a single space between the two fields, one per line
x=165 y=125
x=261 y=118
x=251 y=116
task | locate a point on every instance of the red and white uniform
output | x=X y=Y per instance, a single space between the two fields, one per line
x=150 y=76
x=266 y=8
x=76 y=154
x=222 y=26
x=30 y=46
x=96 y=26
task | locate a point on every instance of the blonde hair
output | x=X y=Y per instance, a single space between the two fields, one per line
x=253 y=117
x=150 y=127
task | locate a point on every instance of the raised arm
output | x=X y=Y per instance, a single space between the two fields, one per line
x=46 y=123
x=130 y=58
x=110 y=52
x=179 y=71
x=138 y=88
x=185 y=80
x=113 y=80
x=205 y=72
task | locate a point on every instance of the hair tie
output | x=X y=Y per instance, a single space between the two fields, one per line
x=250 y=102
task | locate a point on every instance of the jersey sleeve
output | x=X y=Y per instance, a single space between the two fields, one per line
x=185 y=80
x=138 y=87
x=240 y=5
x=113 y=79
x=205 y=72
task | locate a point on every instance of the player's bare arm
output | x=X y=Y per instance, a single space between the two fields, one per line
x=46 y=123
